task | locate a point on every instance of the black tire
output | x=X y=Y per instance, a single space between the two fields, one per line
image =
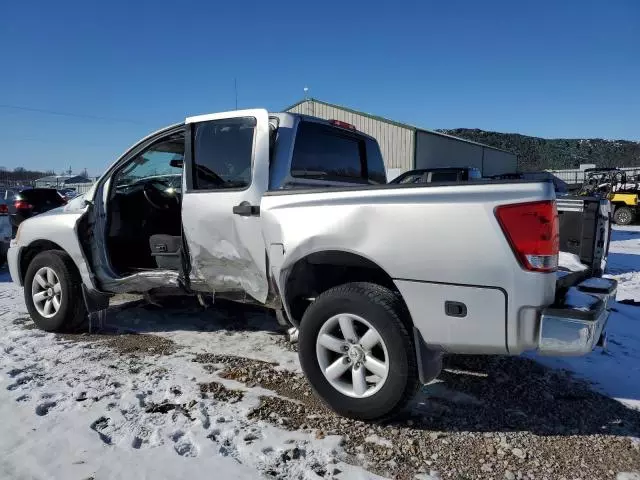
x=623 y=216
x=72 y=314
x=384 y=310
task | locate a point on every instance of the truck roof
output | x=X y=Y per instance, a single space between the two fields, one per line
x=279 y=115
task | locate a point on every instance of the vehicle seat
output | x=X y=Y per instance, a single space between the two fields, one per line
x=166 y=251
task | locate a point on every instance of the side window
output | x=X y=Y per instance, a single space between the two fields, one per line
x=222 y=153
x=162 y=161
x=325 y=153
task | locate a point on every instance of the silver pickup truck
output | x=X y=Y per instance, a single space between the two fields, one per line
x=294 y=213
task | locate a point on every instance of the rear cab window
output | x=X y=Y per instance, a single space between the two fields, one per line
x=324 y=152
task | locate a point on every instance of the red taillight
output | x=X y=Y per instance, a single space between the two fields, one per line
x=341 y=124
x=4 y=210
x=532 y=230
x=22 y=205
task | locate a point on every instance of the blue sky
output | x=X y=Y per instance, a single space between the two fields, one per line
x=547 y=68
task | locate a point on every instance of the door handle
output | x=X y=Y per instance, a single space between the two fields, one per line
x=247 y=210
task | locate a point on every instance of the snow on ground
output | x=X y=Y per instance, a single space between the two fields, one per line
x=65 y=405
x=624 y=261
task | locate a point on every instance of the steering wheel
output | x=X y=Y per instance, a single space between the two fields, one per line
x=160 y=194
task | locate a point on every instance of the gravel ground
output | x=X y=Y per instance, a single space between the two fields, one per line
x=496 y=418
x=485 y=417
x=126 y=343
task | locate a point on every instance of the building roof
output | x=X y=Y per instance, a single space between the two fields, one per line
x=393 y=122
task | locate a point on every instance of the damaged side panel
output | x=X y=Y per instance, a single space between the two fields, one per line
x=143 y=282
x=224 y=264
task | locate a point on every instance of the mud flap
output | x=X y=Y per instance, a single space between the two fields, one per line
x=429 y=360
x=95 y=301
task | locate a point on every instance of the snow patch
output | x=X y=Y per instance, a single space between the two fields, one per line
x=570 y=262
x=70 y=409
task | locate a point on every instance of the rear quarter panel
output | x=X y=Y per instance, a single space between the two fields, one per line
x=422 y=237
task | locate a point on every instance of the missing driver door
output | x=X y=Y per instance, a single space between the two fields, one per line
x=226 y=174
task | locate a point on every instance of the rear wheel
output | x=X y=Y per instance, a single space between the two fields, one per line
x=52 y=292
x=357 y=353
x=623 y=216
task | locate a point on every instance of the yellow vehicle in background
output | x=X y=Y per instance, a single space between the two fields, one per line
x=615 y=185
x=625 y=207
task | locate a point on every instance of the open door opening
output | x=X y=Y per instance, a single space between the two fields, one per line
x=144 y=204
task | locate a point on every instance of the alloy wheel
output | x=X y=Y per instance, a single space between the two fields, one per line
x=46 y=292
x=352 y=355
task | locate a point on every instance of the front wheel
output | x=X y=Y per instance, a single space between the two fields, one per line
x=623 y=216
x=357 y=353
x=52 y=292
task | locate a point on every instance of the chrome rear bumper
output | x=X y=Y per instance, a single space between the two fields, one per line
x=574 y=325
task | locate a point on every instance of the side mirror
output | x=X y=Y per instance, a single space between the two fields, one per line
x=176 y=163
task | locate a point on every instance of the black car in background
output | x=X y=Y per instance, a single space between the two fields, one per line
x=32 y=201
x=434 y=175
